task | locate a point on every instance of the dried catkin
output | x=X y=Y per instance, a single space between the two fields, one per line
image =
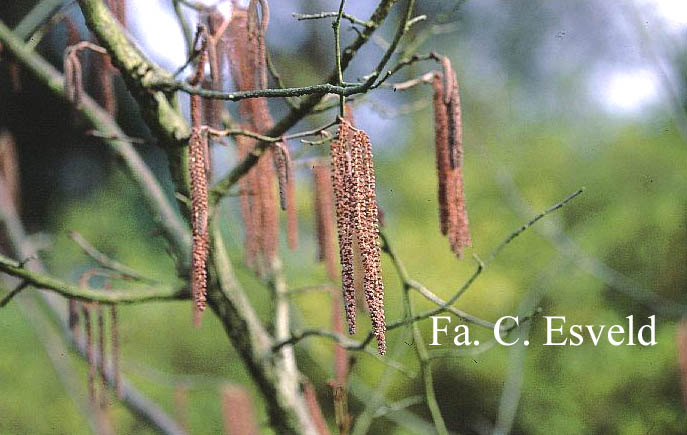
x=453 y=216
x=239 y=415
x=324 y=215
x=248 y=68
x=342 y=181
x=287 y=191
x=310 y=396
x=73 y=80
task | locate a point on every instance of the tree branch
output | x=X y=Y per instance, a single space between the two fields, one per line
x=39 y=280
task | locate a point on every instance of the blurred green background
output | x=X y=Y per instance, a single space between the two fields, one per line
x=555 y=96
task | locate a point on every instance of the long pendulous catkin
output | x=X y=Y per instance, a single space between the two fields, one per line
x=246 y=56
x=341 y=176
x=198 y=153
x=354 y=184
x=366 y=225
x=249 y=203
x=239 y=415
x=453 y=216
x=324 y=215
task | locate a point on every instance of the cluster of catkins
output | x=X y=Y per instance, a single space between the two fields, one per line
x=238 y=43
x=83 y=313
x=357 y=218
x=448 y=129
x=102 y=70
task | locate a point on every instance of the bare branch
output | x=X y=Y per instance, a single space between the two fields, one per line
x=47 y=282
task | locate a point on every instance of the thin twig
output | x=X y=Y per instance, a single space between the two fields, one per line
x=107 y=262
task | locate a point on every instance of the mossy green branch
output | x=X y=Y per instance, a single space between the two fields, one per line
x=47 y=282
x=160 y=110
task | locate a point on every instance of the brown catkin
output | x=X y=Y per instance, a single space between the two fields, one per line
x=324 y=215
x=246 y=55
x=198 y=164
x=449 y=159
x=310 y=396
x=73 y=81
x=441 y=147
x=269 y=216
x=199 y=212
x=281 y=162
x=342 y=181
x=287 y=191
x=367 y=228
x=239 y=415
x=248 y=197
x=9 y=167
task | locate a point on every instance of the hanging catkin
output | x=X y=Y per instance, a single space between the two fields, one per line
x=449 y=159
x=367 y=228
x=197 y=150
x=354 y=184
x=287 y=191
x=342 y=181
x=246 y=56
x=249 y=204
